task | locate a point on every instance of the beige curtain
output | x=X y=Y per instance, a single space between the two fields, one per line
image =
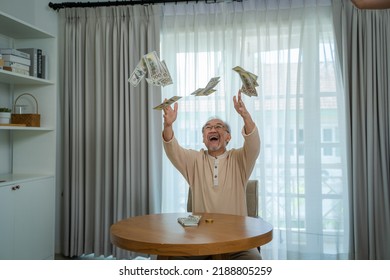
x=110 y=134
x=363 y=40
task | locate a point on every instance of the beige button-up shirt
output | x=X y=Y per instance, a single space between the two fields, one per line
x=218 y=184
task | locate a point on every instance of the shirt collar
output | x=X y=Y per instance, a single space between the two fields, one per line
x=224 y=155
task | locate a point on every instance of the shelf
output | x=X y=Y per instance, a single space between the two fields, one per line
x=8 y=77
x=29 y=153
x=29 y=128
x=10 y=178
x=17 y=29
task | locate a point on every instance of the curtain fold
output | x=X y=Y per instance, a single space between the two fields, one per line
x=300 y=113
x=363 y=38
x=111 y=155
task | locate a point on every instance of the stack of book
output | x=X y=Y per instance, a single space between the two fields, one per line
x=15 y=61
x=27 y=61
x=36 y=61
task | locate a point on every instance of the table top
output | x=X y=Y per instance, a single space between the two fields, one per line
x=161 y=234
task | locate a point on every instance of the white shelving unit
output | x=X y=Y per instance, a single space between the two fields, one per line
x=27 y=172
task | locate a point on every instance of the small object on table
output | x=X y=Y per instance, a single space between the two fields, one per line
x=190 y=221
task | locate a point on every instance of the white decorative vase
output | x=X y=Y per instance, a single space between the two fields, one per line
x=5 y=117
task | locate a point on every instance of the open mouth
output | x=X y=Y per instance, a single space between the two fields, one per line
x=213 y=138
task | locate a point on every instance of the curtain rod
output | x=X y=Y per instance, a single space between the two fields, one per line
x=57 y=6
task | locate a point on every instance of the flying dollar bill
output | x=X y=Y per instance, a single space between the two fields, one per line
x=167 y=103
x=154 y=66
x=167 y=80
x=138 y=73
x=157 y=70
x=249 y=81
x=209 y=89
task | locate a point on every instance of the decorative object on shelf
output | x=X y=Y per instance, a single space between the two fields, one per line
x=5 y=115
x=27 y=119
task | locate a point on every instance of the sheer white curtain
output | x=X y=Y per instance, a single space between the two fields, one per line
x=299 y=112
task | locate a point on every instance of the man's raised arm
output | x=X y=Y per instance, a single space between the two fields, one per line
x=239 y=105
x=170 y=116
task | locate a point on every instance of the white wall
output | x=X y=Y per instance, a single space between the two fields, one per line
x=35 y=12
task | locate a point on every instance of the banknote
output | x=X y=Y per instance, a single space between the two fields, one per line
x=209 y=89
x=153 y=82
x=202 y=92
x=167 y=76
x=240 y=70
x=153 y=64
x=212 y=83
x=249 y=81
x=249 y=85
x=167 y=103
x=138 y=73
x=158 y=73
x=158 y=70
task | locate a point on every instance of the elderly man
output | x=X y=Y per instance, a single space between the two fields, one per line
x=217 y=176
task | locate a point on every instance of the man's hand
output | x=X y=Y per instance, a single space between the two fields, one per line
x=239 y=105
x=170 y=116
x=241 y=109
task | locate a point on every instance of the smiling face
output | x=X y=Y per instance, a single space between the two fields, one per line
x=216 y=136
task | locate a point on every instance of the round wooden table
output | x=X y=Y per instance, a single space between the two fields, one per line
x=216 y=234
